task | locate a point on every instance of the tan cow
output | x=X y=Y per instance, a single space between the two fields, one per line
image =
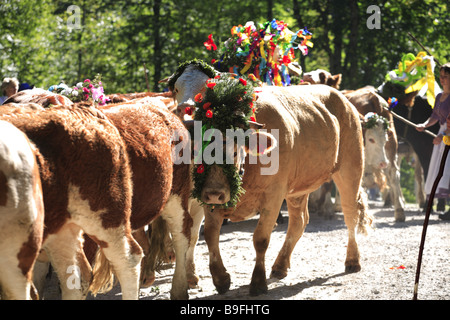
x=320 y=138
x=87 y=187
x=21 y=213
x=367 y=100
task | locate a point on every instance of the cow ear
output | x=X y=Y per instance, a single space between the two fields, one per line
x=261 y=143
x=337 y=78
x=323 y=77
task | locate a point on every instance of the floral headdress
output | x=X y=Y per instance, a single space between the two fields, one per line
x=371 y=119
x=252 y=49
x=197 y=63
x=83 y=91
x=226 y=104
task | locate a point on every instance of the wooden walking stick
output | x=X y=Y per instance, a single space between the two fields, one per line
x=409 y=122
x=427 y=217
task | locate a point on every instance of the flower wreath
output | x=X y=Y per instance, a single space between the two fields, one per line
x=83 y=91
x=197 y=63
x=371 y=120
x=226 y=104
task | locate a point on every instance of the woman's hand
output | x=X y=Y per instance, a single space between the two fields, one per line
x=420 y=127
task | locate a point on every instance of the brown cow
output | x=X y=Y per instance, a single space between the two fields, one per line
x=41 y=97
x=309 y=118
x=321 y=76
x=159 y=186
x=86 y=182
x=147 y=128
x=21 y=213
x=367 y=100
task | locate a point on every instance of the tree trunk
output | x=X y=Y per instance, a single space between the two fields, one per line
x=157 y=49
x=351 y=59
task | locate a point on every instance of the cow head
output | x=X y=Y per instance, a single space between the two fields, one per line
x=222 y=112
x=187 y=81
x=320 y=76
x=375 y=138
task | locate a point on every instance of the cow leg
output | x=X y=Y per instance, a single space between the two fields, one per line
x=354 y=206
x=65 y=251
x=298 y=219
x=261 y=238
x=220 y=276
x=40 y=272
x=125 y=255
x=197 y=215
x=393 y=180
x=176 y=218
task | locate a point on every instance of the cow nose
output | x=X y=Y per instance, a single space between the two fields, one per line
x=214 y=197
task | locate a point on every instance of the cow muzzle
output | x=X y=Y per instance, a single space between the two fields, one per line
x=215 y=197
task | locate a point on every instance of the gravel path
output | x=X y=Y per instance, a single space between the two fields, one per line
x=388 y=257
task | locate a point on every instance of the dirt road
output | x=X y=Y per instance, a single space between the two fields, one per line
x=388 y=257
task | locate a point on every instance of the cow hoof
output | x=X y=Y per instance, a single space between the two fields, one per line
x=258 y=289
x=279 y=274
x=179 y=296
x=193 y=282
x=223 y=285
x=399 y=216
x=352 y=268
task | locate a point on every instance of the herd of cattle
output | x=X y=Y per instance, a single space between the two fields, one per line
x=84 y=188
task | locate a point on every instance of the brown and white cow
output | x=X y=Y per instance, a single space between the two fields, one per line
x=21 y=213
x=87 y=187
x=319 y=138
x=367 y=100
x=159 y=187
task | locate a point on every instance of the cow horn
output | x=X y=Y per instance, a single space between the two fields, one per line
x=255 y=125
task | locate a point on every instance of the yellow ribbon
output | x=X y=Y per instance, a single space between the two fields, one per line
x=248 y=64
x=419 y=61
x=446 y=140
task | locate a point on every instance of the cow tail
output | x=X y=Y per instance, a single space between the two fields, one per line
x=103 y=275
x=158 y=234
x=365 y=218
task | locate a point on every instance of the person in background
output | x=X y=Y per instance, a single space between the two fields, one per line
x=9 y=87
x=441 y=112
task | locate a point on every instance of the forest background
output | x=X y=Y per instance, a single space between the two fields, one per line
x=44 y=42
x=133 y=44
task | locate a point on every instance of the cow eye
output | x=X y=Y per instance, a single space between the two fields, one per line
x=371 y=140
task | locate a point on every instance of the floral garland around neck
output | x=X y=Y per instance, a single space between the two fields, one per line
x=88 y=90
x=226 y=104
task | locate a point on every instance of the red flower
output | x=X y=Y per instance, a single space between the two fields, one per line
x=188 y=110
x=209 y=114
x=211 y=85
x=252 y=119
x=217 y=77
x=209 y=44
x=198 y=97
x=243 y=81
x=213 y=60
x=201 y=169
x=206 y=105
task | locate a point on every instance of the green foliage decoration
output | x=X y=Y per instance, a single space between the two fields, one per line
x=226 y=104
